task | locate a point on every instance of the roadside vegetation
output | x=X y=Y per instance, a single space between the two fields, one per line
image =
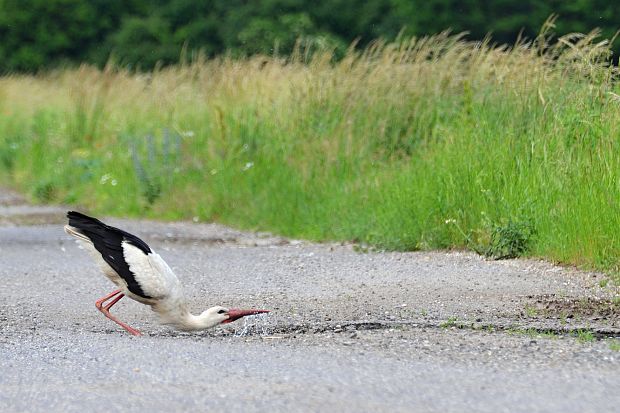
x=432 y=142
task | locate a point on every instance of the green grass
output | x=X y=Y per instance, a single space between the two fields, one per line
x=585 y=336
x=429 y=143
x=450 y=322
x=531 y=311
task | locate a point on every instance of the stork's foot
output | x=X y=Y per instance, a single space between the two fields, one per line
x=106 y=311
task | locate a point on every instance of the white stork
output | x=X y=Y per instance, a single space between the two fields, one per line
x=143 y=275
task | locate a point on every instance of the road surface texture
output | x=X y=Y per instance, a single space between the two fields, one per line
x=349 y=331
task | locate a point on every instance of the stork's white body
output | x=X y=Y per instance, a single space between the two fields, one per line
x=141 y=274
x=151 y=271
x=154 y=275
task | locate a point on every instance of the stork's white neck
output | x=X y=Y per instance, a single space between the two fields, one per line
x=203 y=321
x=177 y=315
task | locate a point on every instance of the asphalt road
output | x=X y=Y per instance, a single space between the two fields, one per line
x=349 y=331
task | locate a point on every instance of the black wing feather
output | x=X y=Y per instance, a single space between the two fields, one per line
x=108 y=241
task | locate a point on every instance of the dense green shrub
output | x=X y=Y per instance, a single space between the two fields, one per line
x=36 y=34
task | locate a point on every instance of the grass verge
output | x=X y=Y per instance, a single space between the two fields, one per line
x=433 y=142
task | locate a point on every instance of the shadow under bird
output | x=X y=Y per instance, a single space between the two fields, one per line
x=141 y=274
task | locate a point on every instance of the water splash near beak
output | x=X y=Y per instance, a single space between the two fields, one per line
x=257 y=325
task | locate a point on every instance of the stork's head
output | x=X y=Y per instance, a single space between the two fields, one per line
x=222 y=315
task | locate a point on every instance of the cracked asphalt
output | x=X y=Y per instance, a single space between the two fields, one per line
x=349 y=331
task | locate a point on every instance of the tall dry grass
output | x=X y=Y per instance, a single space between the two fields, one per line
x=429 y=142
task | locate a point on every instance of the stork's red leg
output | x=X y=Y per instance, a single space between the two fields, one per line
x=99 y=302
x=106 y=311
x=108 y=306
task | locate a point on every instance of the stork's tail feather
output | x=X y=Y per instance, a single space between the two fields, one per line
x=82 y=226
x=79 y=220
x=102 y=235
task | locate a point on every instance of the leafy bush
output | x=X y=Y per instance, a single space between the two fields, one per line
x=40 y=34
x=510 y=239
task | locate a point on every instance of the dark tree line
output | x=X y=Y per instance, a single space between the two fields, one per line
x=39 y=34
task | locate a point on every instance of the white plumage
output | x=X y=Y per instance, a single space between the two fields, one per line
x=151 y=272
x=143 y=275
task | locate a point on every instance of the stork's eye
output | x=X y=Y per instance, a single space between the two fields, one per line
x=221 y=312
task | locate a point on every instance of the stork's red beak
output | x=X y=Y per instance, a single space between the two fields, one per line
x=236 y=313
